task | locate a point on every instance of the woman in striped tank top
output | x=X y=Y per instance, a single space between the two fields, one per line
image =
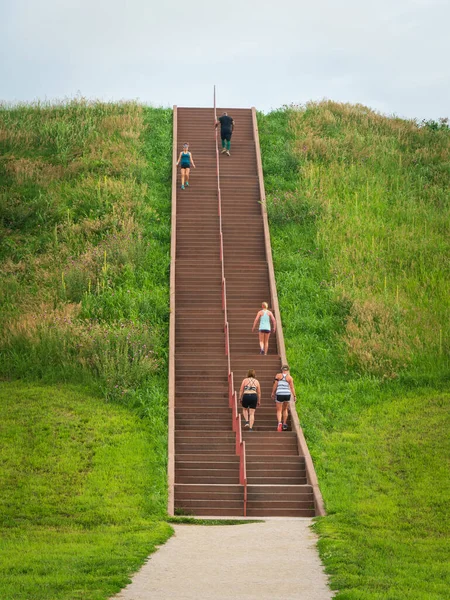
x=267 y=324
x=283 y=388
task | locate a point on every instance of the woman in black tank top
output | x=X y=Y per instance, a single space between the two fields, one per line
x=250 y=398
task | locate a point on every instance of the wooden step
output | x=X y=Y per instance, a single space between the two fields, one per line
x=205 y=445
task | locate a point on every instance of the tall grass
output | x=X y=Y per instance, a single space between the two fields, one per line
x=84 y=295
x=381 y=188
x=84 y=223
x=359 y=214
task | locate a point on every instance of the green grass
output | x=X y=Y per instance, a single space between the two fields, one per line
x=359 y=215
x=84 y=257
x=387 y=491
x=85 y=230
x=82 y=493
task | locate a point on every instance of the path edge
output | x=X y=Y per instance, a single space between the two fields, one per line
x=310 y=470
x=171 y=399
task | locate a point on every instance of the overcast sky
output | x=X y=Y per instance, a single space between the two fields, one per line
x=392 y=55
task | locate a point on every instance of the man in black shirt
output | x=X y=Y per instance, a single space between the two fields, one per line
x=226 y=129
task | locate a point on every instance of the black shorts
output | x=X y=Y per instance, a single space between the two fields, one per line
x=249 y=400
x=264 y=331
x=226 y=135
x=283 y=398
x=185 y=166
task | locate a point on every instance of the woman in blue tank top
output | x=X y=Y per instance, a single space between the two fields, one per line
x=267 y=324
x=185 y=160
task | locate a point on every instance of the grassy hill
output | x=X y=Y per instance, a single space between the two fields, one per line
x=81 y=493
x=84 y=258
x=359 y=217
x=84 y=223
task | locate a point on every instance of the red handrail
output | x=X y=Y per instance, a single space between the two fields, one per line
x=238 y=434
x=230 y=389
x=240 y=451
x=227 y=348
x=232 y=396
x=223 y=280
x=225 y=312
x=243 y=475
x=223 y=294
x=237 y=416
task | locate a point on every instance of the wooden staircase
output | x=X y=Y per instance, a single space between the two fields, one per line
x=220 y=276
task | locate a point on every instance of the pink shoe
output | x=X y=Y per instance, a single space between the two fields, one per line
x=280 y=427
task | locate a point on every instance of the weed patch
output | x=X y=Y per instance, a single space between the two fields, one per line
x=357 y=202
x=85 y=216
x=84 y=290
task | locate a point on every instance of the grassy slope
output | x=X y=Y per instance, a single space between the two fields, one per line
x=85 y=229
x=79 y=493
x=80 y=181
x=374 y=395
x=84 y=256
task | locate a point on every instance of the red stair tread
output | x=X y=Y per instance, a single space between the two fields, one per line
x=206 y=465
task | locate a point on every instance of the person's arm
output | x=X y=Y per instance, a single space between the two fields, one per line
x=232 y=125
x=256 y=321
x=241 y=391
x=258 y=391
x=274 y=323
x=192 y=160
x=179 y=158
x=291 y=385
x=274 y=388
x=216 y=125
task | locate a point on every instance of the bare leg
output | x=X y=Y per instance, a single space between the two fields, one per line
x=266 y=342
x=285 y=412
x=245 y=413
x=183 y=171
x=261 y=342
x=279 y=411
x=252 y=417
x=187 y=171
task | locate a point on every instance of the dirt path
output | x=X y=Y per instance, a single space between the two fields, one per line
x=274 y=560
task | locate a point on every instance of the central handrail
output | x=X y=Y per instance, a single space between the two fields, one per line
x=226 y=327
x=232 y=396
x=240 y=451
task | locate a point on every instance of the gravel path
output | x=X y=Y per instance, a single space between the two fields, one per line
x=274 y=560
